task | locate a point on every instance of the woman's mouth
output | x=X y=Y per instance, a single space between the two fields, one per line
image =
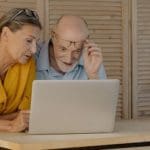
x=27 y=56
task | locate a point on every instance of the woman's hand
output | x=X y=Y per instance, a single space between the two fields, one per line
x=21 y=122
x=10 y=116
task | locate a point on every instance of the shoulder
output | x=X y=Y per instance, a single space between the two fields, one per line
x=40 y=45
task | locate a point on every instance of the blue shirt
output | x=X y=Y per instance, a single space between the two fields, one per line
x=46 y=72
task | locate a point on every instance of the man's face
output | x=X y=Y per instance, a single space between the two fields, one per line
x=66 y=53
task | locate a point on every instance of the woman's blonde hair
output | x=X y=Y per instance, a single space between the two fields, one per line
x=18 y=17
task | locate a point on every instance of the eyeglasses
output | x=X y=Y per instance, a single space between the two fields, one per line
x=27 y=12
x=68 y=43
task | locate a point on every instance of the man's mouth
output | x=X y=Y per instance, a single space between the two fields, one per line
x=68 y=64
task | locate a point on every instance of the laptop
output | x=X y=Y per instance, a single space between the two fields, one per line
x=73 y=106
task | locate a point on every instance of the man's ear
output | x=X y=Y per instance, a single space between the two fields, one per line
x=52 y=34
x=53 y=31
x=5 y=33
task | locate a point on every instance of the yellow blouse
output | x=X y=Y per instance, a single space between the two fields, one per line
x=15 y=91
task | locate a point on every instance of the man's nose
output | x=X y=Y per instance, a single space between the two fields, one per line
x=69 y=58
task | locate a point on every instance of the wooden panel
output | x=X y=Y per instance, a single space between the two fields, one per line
x=108 y=25
x=141 y=58
x=6 y=5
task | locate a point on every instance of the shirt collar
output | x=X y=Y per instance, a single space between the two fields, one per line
x=81 y=61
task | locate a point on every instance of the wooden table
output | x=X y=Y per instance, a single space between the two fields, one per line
x=126 y=132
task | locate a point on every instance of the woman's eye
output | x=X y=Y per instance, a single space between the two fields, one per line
x=29 y=40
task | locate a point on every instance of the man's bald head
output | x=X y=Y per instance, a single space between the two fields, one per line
x=71 y=27
x=72 y=17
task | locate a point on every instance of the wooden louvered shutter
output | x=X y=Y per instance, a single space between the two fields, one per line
x=141 y=58
x=108 y=24
x=6 y=5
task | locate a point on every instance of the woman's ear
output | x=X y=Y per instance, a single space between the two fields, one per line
x=5 y=33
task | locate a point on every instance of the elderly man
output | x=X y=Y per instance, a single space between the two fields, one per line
x=69 y=54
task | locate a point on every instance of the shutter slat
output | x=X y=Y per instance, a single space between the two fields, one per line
x=142 y=80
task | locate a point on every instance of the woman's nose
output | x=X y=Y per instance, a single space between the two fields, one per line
x=33 y=48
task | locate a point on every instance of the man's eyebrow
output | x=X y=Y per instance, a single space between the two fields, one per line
x=61 y=46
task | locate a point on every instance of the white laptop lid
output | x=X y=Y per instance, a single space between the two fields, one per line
x=77 y=106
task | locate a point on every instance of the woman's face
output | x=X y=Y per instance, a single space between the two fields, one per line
x=21 y=45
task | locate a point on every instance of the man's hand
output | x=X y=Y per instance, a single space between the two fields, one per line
x=92 y=57
x=21 y=122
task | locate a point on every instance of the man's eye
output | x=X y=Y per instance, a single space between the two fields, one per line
x=78 y=51
x=63 y=49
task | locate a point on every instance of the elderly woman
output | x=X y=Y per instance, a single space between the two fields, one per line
x=19 y=32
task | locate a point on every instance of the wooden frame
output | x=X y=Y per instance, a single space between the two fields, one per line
x=134 y=59
x=43 y=8
x=127 y=58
